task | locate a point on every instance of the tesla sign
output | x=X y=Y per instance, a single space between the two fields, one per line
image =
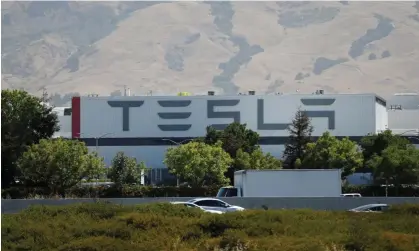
x=125 y=107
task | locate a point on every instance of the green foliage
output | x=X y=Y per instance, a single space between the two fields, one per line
x=392 y=158
x=375 y=144
x=99 y=243
x=328 y=152
x=161 y=226
x=58 y=164
x=256 y=160
x=300 y=135
x=405 y=209
x=25 y=120
x=95 y=166
x=139 y=191
x=198 y=163
x=396 y=165
x=234 y=137
x=126 y=191
x=380 y=191
x=125 y=170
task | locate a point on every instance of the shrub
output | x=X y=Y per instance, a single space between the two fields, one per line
x=163 y=226
x=399 y=241
x=215 y=226
x=235 y=241
x=98 y=243
x=126 y=191
x=170 y=210
x=379 y=191
x=139 y=191
x=99 y=210
x=405 y=209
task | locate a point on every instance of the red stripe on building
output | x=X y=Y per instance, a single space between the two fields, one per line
x=75 y=117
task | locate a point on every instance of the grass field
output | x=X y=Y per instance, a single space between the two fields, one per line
x=158 y=227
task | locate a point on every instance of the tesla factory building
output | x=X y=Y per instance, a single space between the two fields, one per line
x=145 y=126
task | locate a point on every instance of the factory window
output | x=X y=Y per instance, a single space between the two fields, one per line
x=67 y=112
x=380 y=101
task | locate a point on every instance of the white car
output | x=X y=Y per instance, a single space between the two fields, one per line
x=351 y=195
x=371 y=208
x=215 y=204
x=187 y=204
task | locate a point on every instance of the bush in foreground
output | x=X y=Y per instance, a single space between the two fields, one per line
x=157 y=227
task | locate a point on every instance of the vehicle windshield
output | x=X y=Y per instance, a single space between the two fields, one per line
x=361 y=207
x=227 y=192
x=366 y=207
x=192 y=201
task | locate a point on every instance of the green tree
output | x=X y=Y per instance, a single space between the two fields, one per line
x=198 y=163
x=234 y=137
x=126 y=170
x=256 y=160
x=58 y=164
x=375 y=144
x=396 y=165
x=25 y=120
x=300 y=135
x=95 y=167
x=328 y=152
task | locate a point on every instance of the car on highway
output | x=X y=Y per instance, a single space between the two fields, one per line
x=191 y=205
x=351 y=195
x=373 y=208
x=215 y=204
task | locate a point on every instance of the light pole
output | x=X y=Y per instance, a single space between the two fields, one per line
x=411 y=137
x=97 y=146
x=97 y=139
x=178 y=144
x=413 y=130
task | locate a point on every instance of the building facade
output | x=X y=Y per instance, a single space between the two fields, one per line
x=144 y=127
x=64 y=121
x=403 y=112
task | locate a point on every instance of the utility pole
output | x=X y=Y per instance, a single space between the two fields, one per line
x=413 y=130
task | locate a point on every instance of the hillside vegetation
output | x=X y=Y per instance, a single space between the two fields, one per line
x=158 y=227
x=229 y=47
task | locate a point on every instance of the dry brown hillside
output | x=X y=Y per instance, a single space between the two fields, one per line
x=97 y=47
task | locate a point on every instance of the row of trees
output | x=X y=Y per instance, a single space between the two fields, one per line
x=391 y=158
x=32 y=158
x=214 y=158
x=60 y=164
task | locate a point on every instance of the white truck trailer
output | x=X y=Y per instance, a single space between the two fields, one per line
x=285 y=183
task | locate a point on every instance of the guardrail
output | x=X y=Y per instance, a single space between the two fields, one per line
x=316 y=203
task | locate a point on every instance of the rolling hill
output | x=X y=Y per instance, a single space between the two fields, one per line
x=228 y=47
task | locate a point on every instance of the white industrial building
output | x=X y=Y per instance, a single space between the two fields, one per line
x=145 y=126
x=403 y=119
x=64 y=121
